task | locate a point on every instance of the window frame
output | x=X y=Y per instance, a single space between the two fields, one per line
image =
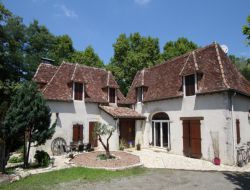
x=185 y=86
x=76 y=95
x=114 y=98
x=139 y=98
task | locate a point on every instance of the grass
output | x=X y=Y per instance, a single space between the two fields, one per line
x=51 y=179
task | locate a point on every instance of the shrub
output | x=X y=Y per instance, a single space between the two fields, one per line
x=104 y=157
x=42 y=158
x=122 y=144
x=16 y=159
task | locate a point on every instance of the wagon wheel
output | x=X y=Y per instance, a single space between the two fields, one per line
x=57 y=146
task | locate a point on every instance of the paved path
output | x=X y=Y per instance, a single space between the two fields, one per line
x=169 y=179
x=154 y=158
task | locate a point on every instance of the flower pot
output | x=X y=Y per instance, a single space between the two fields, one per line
x=138 y=146
x=217 y=161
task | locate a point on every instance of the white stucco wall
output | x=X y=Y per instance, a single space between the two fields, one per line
x=217 y=118
x=76 y=112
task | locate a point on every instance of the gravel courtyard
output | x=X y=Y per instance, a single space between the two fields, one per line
x=168 y=179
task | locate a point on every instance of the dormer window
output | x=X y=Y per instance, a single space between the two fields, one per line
x=112 y=95
x=190 y=85
x=78 y=91
x=139 y=94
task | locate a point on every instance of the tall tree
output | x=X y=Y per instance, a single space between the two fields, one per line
x=176 y=48
x=87 y=57
x=62 y=49
x=246 y=30
x=243 y=65
x=132 y=54
x=29 y=116
x=40 y=42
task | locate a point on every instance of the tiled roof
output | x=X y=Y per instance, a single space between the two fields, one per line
x=216 y=73
x=122 y=112
x=59 y=82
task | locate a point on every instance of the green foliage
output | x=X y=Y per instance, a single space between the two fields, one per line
x=102 y=129
x=176 y=48
x=87 y=57
x=42 y=158
x=104 y=157
x=243 y=65
x=16 y=159
x=132 y=54
x=123 y=144
x=29 y=117
x=246 y=30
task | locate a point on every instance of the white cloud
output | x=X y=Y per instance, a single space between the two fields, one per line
x=142 y=2
x=67 y=12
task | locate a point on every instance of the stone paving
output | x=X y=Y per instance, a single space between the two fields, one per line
x=153 y=158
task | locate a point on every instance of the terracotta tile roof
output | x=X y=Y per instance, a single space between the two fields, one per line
x=46 y=72
x=122 y=112
x=164 y=81
x=59 y=82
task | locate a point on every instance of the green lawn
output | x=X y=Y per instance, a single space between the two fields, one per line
x=50 y=179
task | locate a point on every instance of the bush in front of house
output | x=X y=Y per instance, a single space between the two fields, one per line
x=105 y=157
x=16 y=159
x=42 y=158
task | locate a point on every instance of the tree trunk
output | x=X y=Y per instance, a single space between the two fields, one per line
x=28 y=150
x=2 y=156
x=25 y=152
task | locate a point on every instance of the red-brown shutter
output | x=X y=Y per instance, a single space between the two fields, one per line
x=75 y=133
x=195 y=134
x=238 y=130
x=186 y=138
x=80 y=132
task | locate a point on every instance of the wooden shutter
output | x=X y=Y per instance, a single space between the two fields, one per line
x=92 y=141
x=78 y=91
x=195 y=134
x=186 y=137
x=238 y=130
x=80 y=132
x=75 y=133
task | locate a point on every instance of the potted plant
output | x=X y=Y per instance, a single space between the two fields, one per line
x=215 y=144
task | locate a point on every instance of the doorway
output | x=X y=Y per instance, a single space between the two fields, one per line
x=161 y=130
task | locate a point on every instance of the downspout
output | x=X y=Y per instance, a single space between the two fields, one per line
x=233 y=131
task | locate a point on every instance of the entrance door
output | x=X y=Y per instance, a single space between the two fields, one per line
x=192 y=138
x=92 y=141
x=160 y=133
x=127 y=130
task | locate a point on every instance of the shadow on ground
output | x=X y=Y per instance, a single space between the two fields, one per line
x=242 y=180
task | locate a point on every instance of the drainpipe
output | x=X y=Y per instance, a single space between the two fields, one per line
x=233 y=131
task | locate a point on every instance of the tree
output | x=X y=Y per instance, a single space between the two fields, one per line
x=62 y=49
x=246 y=30
x=29 y=117
x=132 y=54
x=40 y=43
x=12 y=43
x=242 y=64
x=99 y=131
x=87 y=57
x=176 y=48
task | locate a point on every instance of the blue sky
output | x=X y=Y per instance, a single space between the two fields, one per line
x=99 y=22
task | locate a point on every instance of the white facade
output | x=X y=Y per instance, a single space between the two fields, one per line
x=218 y=117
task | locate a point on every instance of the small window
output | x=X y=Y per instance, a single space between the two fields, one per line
x=78 y=91
x=112 y=95
x=139 y=92
x=190 y=85
x=238 y=130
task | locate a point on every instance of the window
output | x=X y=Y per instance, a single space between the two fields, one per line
x=190 y=85
x=78 y=91
x=139 y=92
x=77 y=133
x=112 y=95
x=238 y=130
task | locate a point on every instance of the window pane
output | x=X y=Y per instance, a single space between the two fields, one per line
x=78 y=91
x=112 y=95
x=139 y=94
x=190 y=85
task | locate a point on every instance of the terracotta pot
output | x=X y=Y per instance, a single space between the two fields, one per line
x=217 y=161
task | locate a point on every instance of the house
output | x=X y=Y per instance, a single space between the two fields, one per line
x=196 y=105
